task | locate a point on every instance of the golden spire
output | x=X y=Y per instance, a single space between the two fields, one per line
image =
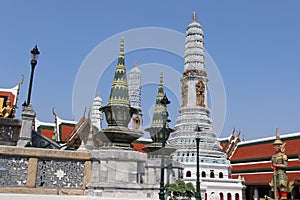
x=98 y=93
x=136 y=64
x=194 y=16
x=277 y=140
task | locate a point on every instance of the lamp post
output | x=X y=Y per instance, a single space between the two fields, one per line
x=198 y=192
x=165 y=115
x=34 y=55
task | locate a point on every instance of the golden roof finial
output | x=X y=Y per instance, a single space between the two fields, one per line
x=89 y=113
x=84 y=111
x=194 y=16
x=53 y=112
x=136 y=64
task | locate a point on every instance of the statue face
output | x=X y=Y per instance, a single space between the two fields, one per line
x=277 y=148
x=8 y=102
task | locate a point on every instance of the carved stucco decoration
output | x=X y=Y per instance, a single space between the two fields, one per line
x=184 y=91
x=200 y=93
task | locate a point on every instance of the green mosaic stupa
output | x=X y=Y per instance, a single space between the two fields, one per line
x=119 y=90
x=157 y=119
x=118 y=111
x=155 y=130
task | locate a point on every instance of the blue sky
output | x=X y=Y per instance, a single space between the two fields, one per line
x=255 y=45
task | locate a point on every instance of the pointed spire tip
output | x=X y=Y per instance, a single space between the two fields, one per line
x=122 y=46
x=194 y=16
x=161 y=77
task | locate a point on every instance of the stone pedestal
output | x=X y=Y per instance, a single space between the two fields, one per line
x=173 y=171
x=119 y=173
x=28 y=117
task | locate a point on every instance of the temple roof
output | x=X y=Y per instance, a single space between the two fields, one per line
x=58 y=131
x=262 y=148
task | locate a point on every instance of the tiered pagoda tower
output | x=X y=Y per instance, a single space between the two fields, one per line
x=214 y=166
x=135 y=96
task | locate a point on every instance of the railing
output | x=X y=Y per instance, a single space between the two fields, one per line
x=43 y=171
x=9 y=131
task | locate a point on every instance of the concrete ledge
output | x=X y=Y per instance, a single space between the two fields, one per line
x=44 y=153
x=117 y=154
x=123 y=186
x=44 y=191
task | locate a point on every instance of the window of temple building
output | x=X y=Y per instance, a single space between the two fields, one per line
x=221 y=196
x=188 y=174
x=193 y=154
x=205 y=196
x=237 y=196
x=221 y=175
x=203 y=174
x=228 y=196
x=212 y=174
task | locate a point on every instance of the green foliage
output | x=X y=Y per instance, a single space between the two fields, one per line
x=180 y=189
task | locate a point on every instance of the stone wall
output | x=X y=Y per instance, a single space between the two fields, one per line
x=43 y=171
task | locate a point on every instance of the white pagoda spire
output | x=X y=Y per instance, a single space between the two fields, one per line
x=135 y=96
x=97 y=115
x=194 y=56
x=134 y=87
x=193 y=112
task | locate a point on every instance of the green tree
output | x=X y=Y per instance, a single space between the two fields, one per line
x=180 y=189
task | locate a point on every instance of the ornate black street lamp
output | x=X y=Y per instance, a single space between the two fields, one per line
x=198 y=134
x=34 y=55
x=165 y=115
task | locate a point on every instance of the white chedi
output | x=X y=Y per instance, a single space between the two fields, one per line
x=214 y=165
x=97 y=115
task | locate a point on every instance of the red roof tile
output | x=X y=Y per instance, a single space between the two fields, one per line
x=261 y=150
x=265 y=178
